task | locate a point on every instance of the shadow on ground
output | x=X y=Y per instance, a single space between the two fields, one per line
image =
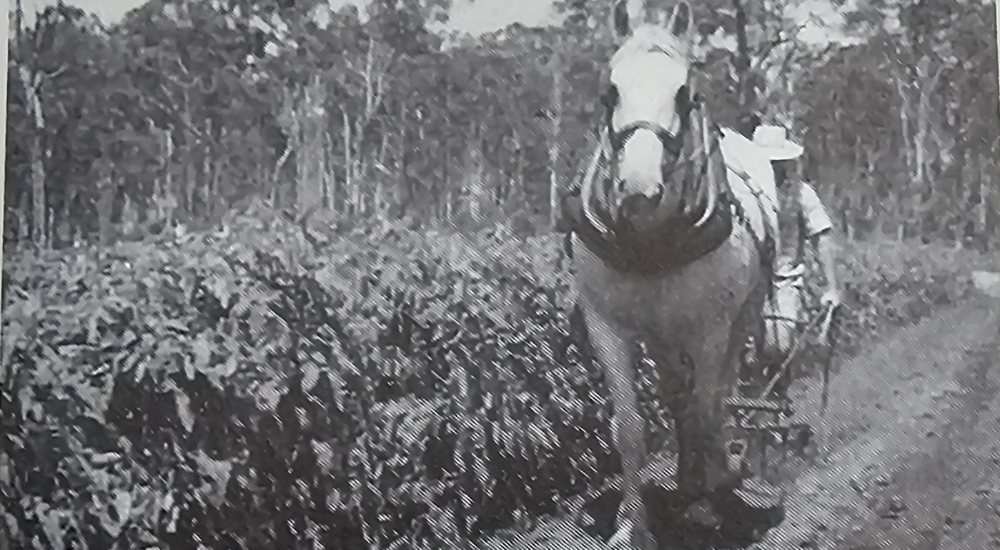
x=742 y=524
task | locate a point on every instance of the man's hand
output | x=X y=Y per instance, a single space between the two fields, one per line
x=831 y=298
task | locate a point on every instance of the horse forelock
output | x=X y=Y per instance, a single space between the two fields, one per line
x=645 y=75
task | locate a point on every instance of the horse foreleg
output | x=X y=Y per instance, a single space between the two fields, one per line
x=615 y=351
x=709 y=367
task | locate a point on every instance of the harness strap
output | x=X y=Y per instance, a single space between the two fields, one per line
x=587 y=185
x=782 y=318
x=766 y=247
x=675 y=243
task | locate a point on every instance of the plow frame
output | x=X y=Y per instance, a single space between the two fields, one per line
x=761 y=419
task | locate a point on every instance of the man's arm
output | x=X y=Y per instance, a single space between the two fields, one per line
x=819 y=227
x=828 y=251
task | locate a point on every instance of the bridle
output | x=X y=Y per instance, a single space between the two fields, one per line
x=612 y=142
x=684 y=104
x=671 y=233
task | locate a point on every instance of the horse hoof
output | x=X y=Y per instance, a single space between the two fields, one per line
x=622 y=537
x=625 y=539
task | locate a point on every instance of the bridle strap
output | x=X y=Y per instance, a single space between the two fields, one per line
x=690 y=150
x=589 y=180
x=672 y=144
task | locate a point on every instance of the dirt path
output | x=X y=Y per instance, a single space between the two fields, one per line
x=910 y=448
x=909 y=444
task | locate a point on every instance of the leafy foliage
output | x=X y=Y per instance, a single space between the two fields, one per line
x=249 y=389
x=208 y=386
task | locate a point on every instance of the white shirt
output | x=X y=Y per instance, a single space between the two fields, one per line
x=816 y=218
x=744 y=157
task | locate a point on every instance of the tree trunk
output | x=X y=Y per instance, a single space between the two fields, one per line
x=189 y=183
x=745 y=93
x=208 y=173
x=374 y=94
x=442 y=193
x=38 y=198
x=474 y=185
x=920 y=143
x=904 y=122
x=64 y=232
x=402 y=162
x=170 y=195
x=927 y=86
x=311 y=122
x=160 y=181
x=985 y=196
x=369 y=77
x=329 y=176
x=349 y=193
x=21 y=215
x=50 y=227
x=105 y=202
x=519 y=168
x=383 y=147
x=32 y=84
x=554 y=142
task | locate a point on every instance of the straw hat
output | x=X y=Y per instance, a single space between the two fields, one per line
x=775 y=143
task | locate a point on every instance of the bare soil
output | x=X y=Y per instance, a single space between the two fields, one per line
x=908 y=451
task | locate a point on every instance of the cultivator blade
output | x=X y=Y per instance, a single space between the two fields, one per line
x=756 y=425
x=737 y=404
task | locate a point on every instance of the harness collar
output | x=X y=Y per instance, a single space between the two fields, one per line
x=681 y=237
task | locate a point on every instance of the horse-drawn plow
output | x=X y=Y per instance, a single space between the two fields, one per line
x=761 y=412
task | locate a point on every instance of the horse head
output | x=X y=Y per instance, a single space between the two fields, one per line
x=651 y=126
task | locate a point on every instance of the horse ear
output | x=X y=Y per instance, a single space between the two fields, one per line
x=681 y=20
x=620 y=19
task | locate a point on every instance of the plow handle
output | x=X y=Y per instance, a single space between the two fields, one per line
x=830 y=333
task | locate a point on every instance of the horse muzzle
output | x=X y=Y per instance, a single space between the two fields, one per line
x=637 y=209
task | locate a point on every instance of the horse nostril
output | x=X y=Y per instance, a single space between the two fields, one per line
x=638 y=205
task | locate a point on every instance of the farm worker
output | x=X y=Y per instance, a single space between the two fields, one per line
x=802 y=217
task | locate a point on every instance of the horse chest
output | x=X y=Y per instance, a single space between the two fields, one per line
x=679 y=301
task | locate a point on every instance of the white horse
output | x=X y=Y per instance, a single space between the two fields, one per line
x=671 y=241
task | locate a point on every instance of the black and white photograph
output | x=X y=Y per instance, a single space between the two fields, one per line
x=501 y=275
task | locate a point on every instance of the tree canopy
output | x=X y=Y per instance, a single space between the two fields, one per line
x=184 y=111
